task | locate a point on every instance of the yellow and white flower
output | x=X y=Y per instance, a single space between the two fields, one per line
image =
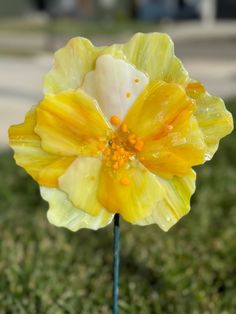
x=118 y=131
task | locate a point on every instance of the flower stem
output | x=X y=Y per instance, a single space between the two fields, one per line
x=116 y=265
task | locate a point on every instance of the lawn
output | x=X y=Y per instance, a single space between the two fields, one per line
x=191 y=269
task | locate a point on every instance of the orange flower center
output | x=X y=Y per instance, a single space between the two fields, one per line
x=122 y=146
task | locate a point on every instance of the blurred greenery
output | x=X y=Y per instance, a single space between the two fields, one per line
x=12 y=7
x=73 y=27
x=43 y=35
x=190 y=269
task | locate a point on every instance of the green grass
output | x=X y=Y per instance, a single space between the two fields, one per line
x=191 y=269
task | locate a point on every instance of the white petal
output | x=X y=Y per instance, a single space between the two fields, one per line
x=115 y=84
x=62 y=213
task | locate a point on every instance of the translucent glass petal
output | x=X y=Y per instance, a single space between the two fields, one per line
x=62 y=213
x=115 y=85
x=213 y=118
x=175 y=204
x=45 y=168
x=80 y=182
x=70 y=124
x=152 y=54
x=132 y=191
x=71 y=64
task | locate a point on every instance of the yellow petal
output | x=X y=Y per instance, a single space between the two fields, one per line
x=80 y=182
x=176 y=73
x=62 y=213
x=49 y=175
x=153 y=54
x=177 y=149
x=175 y=204
x=70 y=123
x=157 y=108
x=70 y=65
x=43 y=167
x=79 y=56
x=132 y=191
x=213 y=118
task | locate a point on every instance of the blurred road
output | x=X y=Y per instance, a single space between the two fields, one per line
x=208 y=53
x=20 y=88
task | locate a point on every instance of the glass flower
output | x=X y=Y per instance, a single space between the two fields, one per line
x=118 y=131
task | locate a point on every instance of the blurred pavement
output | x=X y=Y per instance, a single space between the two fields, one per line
x=207 y=51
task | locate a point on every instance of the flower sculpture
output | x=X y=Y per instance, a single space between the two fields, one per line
x=118 y=131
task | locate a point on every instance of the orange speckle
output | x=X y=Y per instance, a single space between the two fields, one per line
x=128 y=94
x=132 y=141
x=121 y=162
x=125 y=181
x=121 y=150
x=139 y=145
x=124 y=128
x=115 y=120
x=116 y=165
x=137 y=80
x=132 y=138
x=131 y=135
x=107 y=151
x=142 y=158
x=101 y=146
x=169 y=127
x=195 y=87
x=114 y=157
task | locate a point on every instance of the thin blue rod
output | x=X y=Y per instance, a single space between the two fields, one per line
x=115 y=308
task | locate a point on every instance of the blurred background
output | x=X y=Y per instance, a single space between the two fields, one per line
x=43 y=269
